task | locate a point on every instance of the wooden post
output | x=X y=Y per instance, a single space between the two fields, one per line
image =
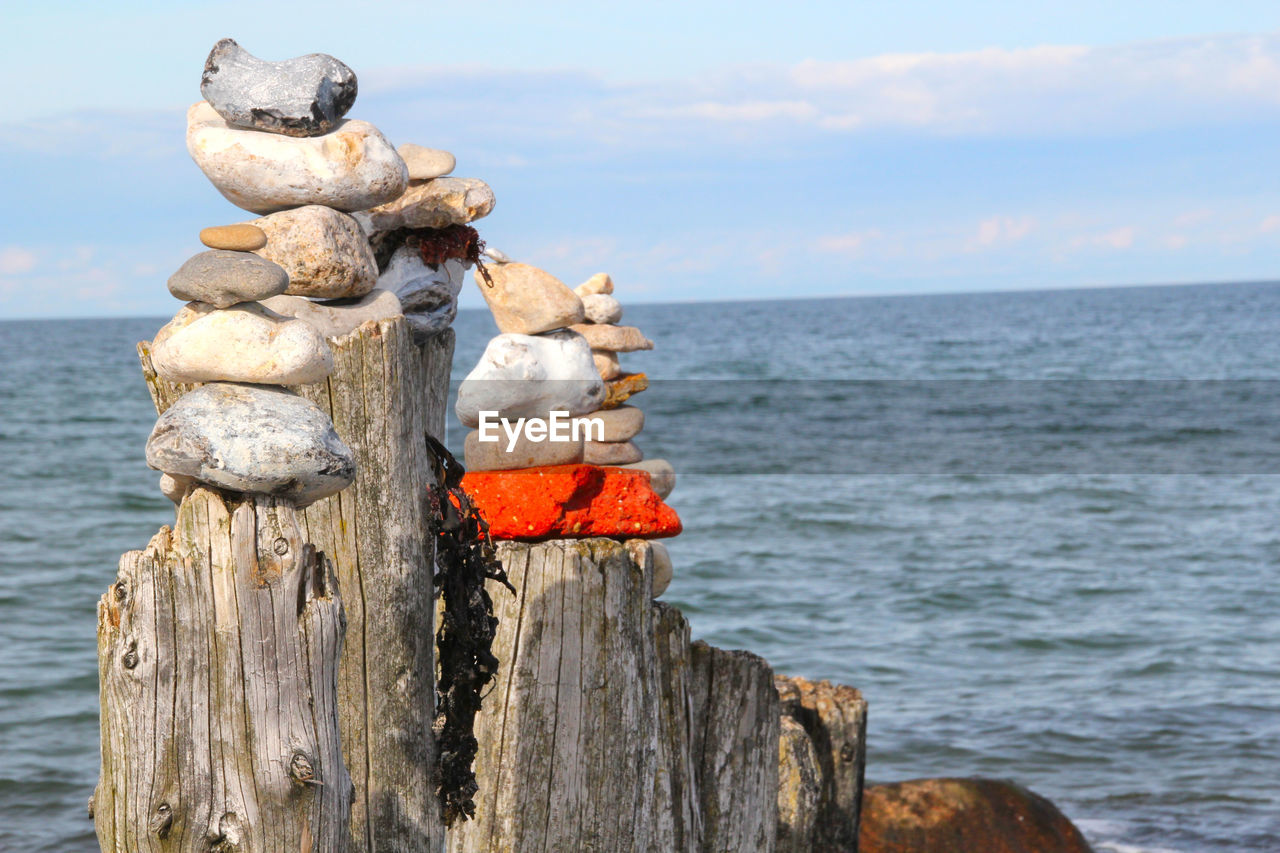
x=834 y=716
x=384 y=394
x=217 y=654
x=799 y=789
x=606 y=730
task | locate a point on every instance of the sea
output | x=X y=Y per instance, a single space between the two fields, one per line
x=1040 y=531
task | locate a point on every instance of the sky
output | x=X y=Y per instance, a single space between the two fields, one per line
x=695 y=151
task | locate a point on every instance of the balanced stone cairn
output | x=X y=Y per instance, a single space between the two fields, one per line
x=557 y=356
x=272 y=137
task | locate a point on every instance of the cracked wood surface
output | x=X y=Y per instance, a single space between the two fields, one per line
x=384 y=394
x=607 y=730
x=217 y=657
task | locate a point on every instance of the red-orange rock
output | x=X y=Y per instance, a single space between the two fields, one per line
x=570 y=502
x=962 y=816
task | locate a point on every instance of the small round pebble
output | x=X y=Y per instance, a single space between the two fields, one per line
x=235 y=238
x=426 y=163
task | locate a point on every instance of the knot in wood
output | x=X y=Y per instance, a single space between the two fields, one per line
x=301 y=769
x=162 y=820
x=280 y=546
x=130 y=659
x=847 y=753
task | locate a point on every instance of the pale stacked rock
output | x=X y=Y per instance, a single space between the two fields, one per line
x=238 y=432
x=273 y=138
x=602 y=314
x=557 y=351
x=534 y=367
x=423 y=239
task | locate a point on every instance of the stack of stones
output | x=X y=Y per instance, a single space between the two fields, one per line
x=272 y=137
x=557 y=351
x=622 y=422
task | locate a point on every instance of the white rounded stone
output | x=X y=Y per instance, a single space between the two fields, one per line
x=601 y=308
x=252 y=439
x=352 y=167
x=530 y=376
x=243 y=343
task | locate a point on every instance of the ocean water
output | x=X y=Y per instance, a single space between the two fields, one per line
x=1040 y=531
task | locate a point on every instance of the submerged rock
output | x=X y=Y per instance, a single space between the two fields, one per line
x=221 y=278
x=243 y=343
x=252 y=439
x=522 y=376
x=525 y=300
x=426 y=163
x=303 y=96
x=946 y=815
x=351 y=168
x=324 y=251
x=337 y=317
x=437 y=203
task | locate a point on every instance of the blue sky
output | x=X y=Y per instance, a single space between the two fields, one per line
x=694 y=151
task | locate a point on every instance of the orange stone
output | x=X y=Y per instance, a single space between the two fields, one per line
x=620 y=389
x=570 y=502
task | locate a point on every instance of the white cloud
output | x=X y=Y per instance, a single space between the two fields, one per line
x=1115 y=238
x=15 y=260
x=852 y=244
x=1002 y=229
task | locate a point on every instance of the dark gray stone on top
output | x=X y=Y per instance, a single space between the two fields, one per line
x=304 y=96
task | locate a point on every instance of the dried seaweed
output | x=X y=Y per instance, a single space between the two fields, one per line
x=434 y=245
x=465 y=559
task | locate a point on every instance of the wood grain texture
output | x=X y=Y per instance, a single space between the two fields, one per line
x=384 y=395
x=735 y=742
x=218 y=649
x=607 y=730
x=799 y=788
x=835 y=718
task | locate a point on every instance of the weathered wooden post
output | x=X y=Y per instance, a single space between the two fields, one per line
x=607 y=729
x=218 y=652
x=386 y=391
x=232 y=708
